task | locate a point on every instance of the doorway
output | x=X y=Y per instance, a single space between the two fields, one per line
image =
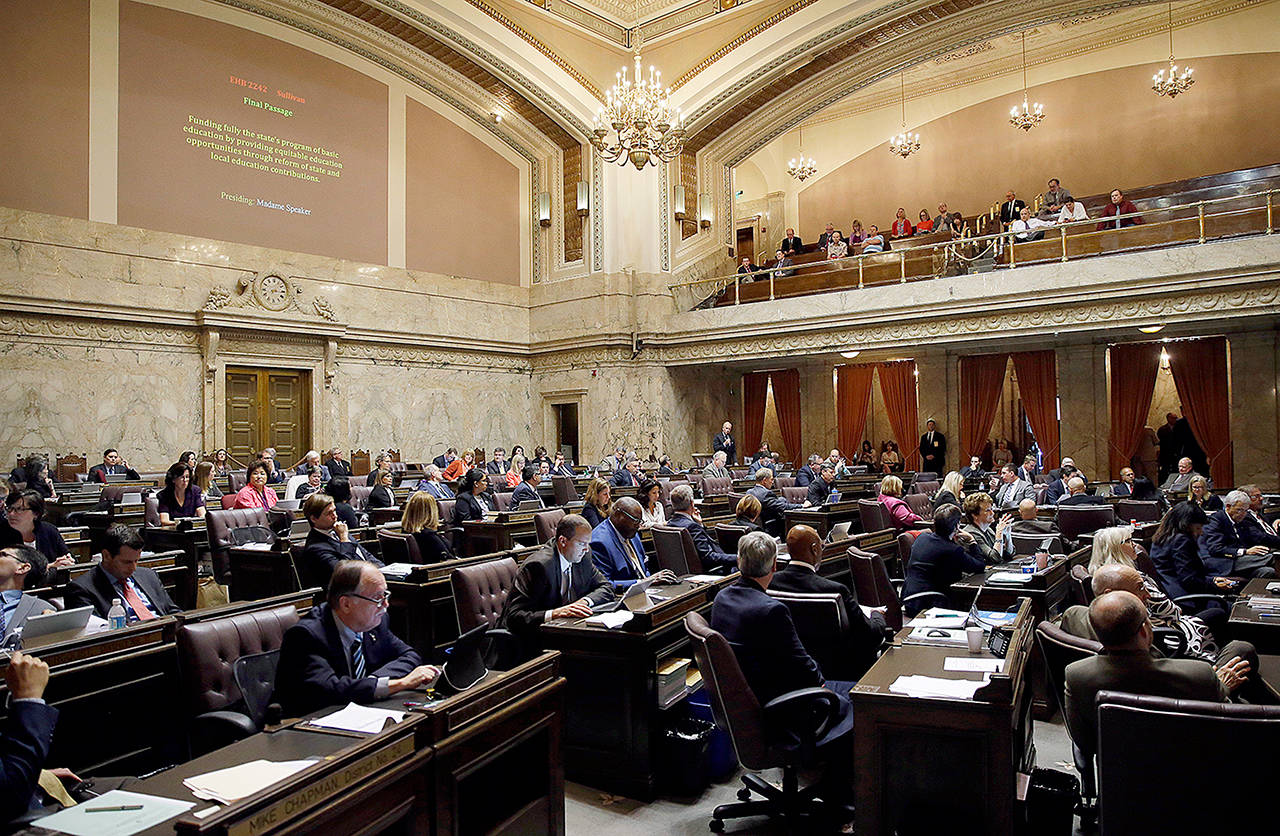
x=747 y=243
x=567 y=430
x=268 y=408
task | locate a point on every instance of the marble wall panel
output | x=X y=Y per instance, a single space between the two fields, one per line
x=1255 y=374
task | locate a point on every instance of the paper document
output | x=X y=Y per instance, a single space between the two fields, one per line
x=358 y=718
x=78 y=821
x=867 y=611
x=1009 y=577
x=934 y=635
x=969 y=663
x=611 y=620
x=1260 y=603
x=256 y=547
x=398 y=570
x=235 y=782
x=703 y=578
x=932 y=686
x=939 y=617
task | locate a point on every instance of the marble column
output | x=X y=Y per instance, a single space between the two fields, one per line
x=1255 y=432
x=1085 y=420
x=938 y=397
x=817 y=410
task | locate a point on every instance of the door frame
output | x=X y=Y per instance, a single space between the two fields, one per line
x=215 y=425
x=550 y=400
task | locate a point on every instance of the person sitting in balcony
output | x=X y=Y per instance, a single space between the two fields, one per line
x=1027 y=228
x=925 y=224
x=746 y=268
x=1072 y=210
x=856 y=233
x=836 y=247
x=875 y=242
x=782 y=265
x=1119 y=205
x=901 y=227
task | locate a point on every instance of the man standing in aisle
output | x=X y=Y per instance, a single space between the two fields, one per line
x=933 y=449
x=724 y=441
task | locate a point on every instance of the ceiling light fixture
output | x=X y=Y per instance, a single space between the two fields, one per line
x=1176 y=82
x=1030 y=115
x=850 y=354
x=904 y=144
x=647 y=130
x=1151 y=329
x=802 y=169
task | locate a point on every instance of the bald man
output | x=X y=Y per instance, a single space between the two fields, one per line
x=617 y=550
x=1076 y=495
x=866 y=629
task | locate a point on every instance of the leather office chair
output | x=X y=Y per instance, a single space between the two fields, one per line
x=565 y=492
x=502 y=501
x=1041 y=490
x=360 y=498
x=1024 y=544
x=906 y=540
x=220 y=524
x=928 y=488
x=781 y=482
x=1059 y=649
x=1135 y=509
x=920 y=504
x=794 y=494
x=872 y=515
x=802 y=716
x=235 y=480
x=227 y=501
x=874 y=587
x=716 y=485
x=398 y=547
x=1075 y=520
x=545 y=522
x=823 y=626
x=1083 y=585
x=728 y=536
x=480 y=592
x=1147 y=746
x=451 y=533
x=208 y=651
x=151 y=511
x=675 y=550
x=112 y=494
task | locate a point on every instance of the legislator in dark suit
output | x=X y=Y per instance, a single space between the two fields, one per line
x=592 y=514
x=935 y=564
x=1056 y=490
x=315 y=667
x=1182 y=572
x=944 y=497
x=441 y=461
x=1255 y=531
x=623 y=478
x=1010 y=210
x=536 y=589
x=819 y=491
x=620 y=560
x=1223 y=550
x=933 y=453
x=432 y=547
x=525 y=492
x=323 y=552
x=764 y=640
x=708 y=550
x=1135 y=672
x=470 y=507
x=866 y=632
x=724 y=442
x=338 y=468
x=1082 y=499
x=96 y=588
x=100 y=472
x=805 y=476
x=773 y=509
x=24 y=747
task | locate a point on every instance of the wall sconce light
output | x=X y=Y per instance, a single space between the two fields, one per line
x=677 y=197
x=544 y=209
x=706 y=211
x=584 y=200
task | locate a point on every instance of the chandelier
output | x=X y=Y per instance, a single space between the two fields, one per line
x=1030 y=115
x=1176 y=82
x=802 y=169
x=904 y=144
x=646 y=130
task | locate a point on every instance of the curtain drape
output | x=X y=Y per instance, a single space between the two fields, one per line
x=1200 y=374
x=1038 y=387
x=981 y=379
x=1133 y=382
x=755 y=390
x=853 y=401
x=786 y=397
x=898 y=387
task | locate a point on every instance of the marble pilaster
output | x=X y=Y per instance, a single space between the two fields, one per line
x=1085 y=423
x=1255 y=433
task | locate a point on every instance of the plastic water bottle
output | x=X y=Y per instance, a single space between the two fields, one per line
x=115 y=616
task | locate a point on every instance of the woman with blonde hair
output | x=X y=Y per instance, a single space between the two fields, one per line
x=598 y=502
x=890 y=497
x=1115 y=545
x=951 y=492
x=517 y=467
x=1199 y=493
x=421 y=518
x=204 y=480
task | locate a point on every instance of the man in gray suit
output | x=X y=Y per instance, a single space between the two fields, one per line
x=715 y=468
x=20 y=567
x=1120 y=621
x=1013 y=490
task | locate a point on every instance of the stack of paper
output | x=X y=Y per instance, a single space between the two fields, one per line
x=90 y=819
x=702 y=578
x=358 y=718
x=610 y=620
x=1009 y=577
x=398 y=571
x=972 y=663
x=235 y=782
x=1268 y=604
x=935 y=635
x=939 y=617
x=671 y=680
x=932 y=686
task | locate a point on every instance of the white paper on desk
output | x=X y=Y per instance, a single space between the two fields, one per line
x=358 y=718
x=79 y=822
x=867 y=611
x=1009 y=577
x=939 y=617
x=702 y=578
x=932 y=686
x=1260 y=603
x=610 y=620
x=95 y=625
x=970 y=663
x=235 y=782
x=398 y=570
x=257 y=547
x=922 y=635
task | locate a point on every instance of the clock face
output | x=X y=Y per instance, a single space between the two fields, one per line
x=273 y=292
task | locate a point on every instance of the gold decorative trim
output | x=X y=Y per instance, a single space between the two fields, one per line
x=760 y=27
x=520 y=32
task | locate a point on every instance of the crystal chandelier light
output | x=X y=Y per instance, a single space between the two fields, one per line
x=1030 y=115
x=1176 y=82
x=904 y=144
x=646 y=130
x=802 y=169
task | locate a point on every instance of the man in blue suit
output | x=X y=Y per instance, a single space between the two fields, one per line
x=28 y=733
x=1224 y=551
x=527 y=490
x=685 y=515
x=616 y=547
x=344 y=651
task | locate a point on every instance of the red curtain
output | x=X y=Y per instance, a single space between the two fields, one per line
x=1038 y=388
x=981 y=379
x=755 y=390
x=1133 y=382
x=1200 y=373
x=786 y=398
x=853 y=400
x=898 y=387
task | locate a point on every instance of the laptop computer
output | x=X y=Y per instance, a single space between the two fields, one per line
x=839 y=531
x=62 y=621
x=465 y=666
x=299 y=528
x=530 y=505
x=635 y=597
x=289 y=504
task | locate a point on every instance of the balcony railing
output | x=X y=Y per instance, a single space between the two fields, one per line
x=1250 y=213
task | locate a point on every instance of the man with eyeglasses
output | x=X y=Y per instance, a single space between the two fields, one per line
x=617 y=550
x=344 y=651
x=328 y=542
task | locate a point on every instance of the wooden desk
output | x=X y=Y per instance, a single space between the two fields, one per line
x=949 y=765
x=1250 y=624
x=823 y=518
x=499 y=533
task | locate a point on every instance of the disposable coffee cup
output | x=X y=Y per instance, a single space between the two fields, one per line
x=974 y=636
x=1042 y=560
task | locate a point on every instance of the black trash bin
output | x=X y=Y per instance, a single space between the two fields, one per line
x=1051 y=802
x=684 y=769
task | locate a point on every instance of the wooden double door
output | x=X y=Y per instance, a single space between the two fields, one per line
x=268 y=408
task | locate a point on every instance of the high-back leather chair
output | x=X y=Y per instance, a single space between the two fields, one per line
x=906 y=540
x=1041 y=491
x=1024 y=544
x=1128 y=510
x=785 y=482
x=1059 y=649
x=360 y=497
x=545 y=522
x=480 y=591
x=207 y=653
x=823 y=626
x=780 y=734
x=1075 y=520
x=399 y=547
x=112 y=493
x=716 y=485
x=1082 y=585
x=235 y=480
x=675 y=550
x=565 y=492
x=873 y=586
x=794 y=494
x=728 y=536
x=220 y=524
x=928 y=488
x=1147 y=746
x=873 y=515
x=920 y=504
x=151 y=511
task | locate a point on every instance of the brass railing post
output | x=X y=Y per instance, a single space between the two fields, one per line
x=737 y=284
x=1200 y=212
x=1012 y=240
x=1269 y=194
x=902 y=266
x=860 y=260
x=1063 y=230
x=771 y=275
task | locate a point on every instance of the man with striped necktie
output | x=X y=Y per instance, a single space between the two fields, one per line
x=344 y=651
